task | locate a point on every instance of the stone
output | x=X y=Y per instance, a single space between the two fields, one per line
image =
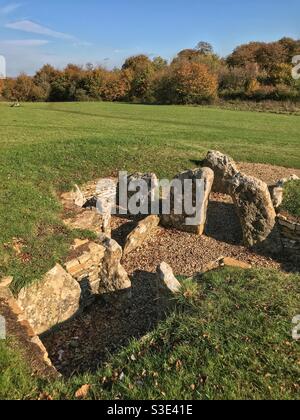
x=276 y=193
x=133 y=179
x=6 y=282
x=224 y=168
x=255 y=209
x=290 y=238
x=79 y=198
x=283 y=181
x=224 y=262
x=277 y=190
x=106 y=224
x=232 y=262
x=114 y=277
x=51 y=301
x=5 y=292
x=167 y=280
x=179 y=221
x=141 y=233
x=86 y=220
x=85 y=267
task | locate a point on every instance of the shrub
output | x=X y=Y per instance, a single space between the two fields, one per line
x=291 y=202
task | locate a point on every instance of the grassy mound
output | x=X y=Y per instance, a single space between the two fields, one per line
x=228 y=338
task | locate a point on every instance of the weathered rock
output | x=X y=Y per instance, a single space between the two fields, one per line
x=276 y=195
x=6 y=282
x=224 y=262
x=51 y=301
x=114 y=278
x=232 y=262
x=5 y=292
x=167 y=280
x=79 y=198
x=141 y=233
x=254 y=207
x=85 y=267
x=224 y=168
x=180 y=221
x=133 y=181
x=283 y=181
x=86 y=220
x=277 y=190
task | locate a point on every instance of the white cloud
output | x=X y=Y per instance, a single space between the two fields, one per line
x=23 y=43
x=9 y=8
x=35 y=28
x=82 y=44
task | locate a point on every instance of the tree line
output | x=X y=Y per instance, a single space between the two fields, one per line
x=254 y=71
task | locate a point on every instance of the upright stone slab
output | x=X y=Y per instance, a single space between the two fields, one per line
x=133 y=180
x=224 y=168
x=180 y=221
x=113 y=277
x=254 y=207
x=51 y=301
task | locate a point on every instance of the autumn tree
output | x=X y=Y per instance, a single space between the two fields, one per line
x=204 y=48
x=190 y=83
x=43 y=80
x=142 y=69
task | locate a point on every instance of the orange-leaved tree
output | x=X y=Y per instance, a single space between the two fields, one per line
x=191 y=83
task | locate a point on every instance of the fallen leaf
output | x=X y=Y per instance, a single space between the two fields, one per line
x=44 y=396
x=83 y=391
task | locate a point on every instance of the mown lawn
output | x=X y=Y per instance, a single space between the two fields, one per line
x=48 y=147
x=229 y=337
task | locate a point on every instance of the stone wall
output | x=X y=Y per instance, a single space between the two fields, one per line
x=93 y=269
x=290 y=237
x=19 y=327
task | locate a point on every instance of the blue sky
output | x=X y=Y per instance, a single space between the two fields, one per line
x=34 y=32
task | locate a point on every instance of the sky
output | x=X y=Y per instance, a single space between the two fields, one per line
x=105 y=32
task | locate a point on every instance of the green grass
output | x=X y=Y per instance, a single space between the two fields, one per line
x=16 y=381
x=229 y=337
x=291 y=202
x=45 y=148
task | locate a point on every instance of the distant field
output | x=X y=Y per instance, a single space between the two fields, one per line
x=47 y=147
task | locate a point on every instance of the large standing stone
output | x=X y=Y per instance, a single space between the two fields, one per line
x=224 y=168
x=133 y=181
x=254 y=207
x=180 y=221
x=53 y=300
x=113 y=276
x=141 y=233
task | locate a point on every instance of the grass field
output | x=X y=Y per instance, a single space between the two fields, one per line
x=48 y=147
x=228 y=338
